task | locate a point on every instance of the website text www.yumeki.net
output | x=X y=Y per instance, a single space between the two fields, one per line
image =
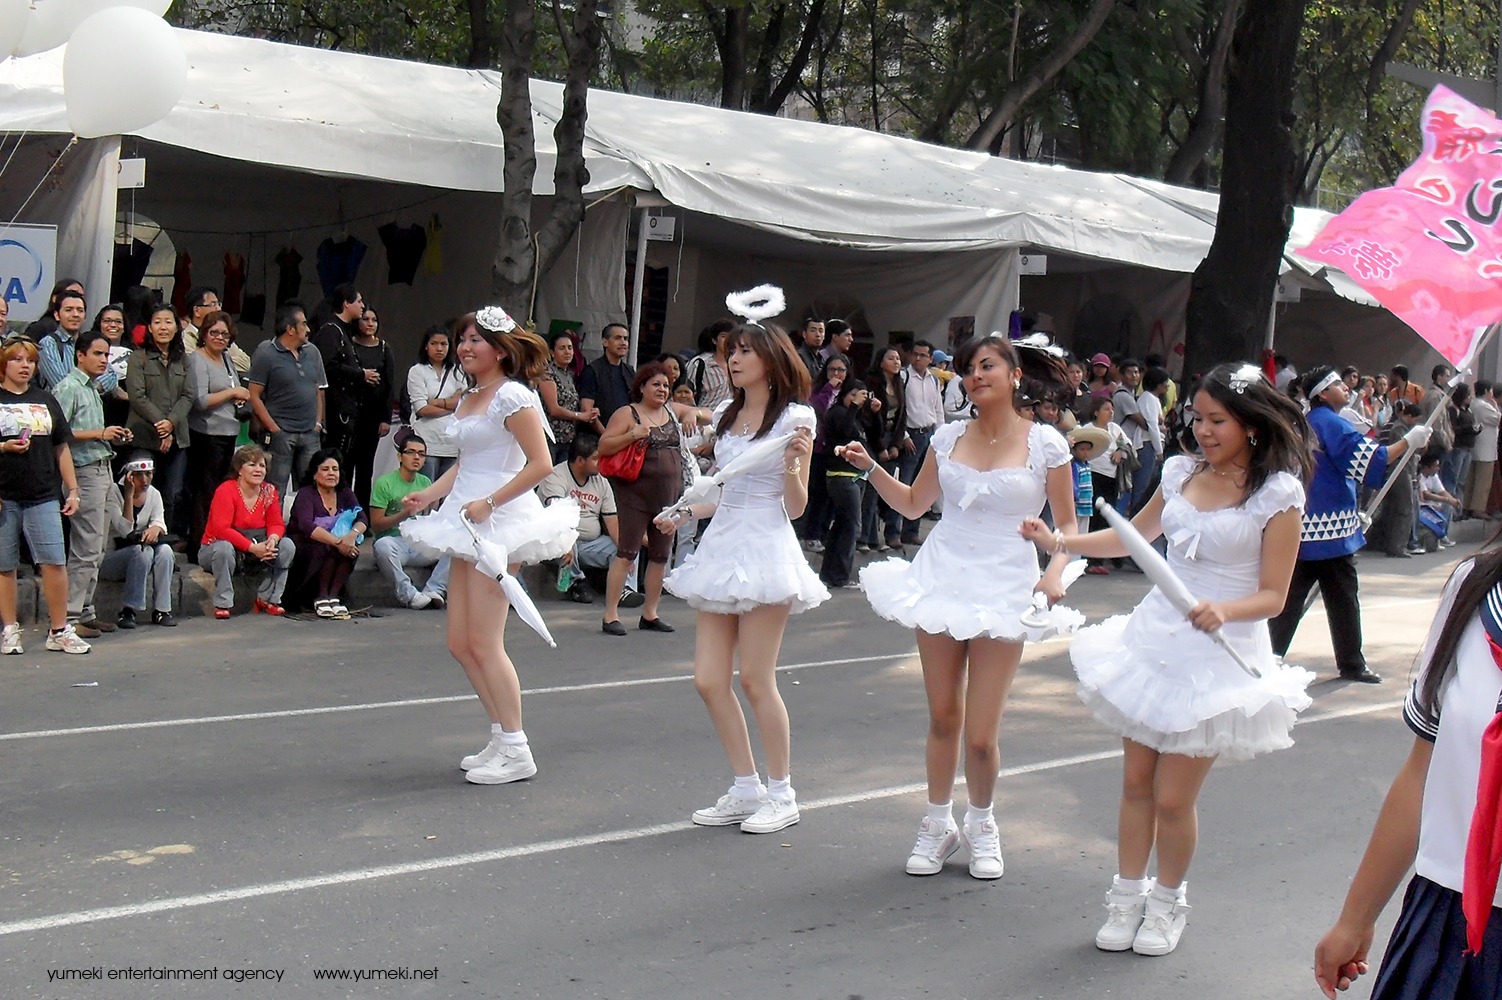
x=237 y=975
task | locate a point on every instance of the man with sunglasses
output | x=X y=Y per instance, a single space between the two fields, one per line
x=393 y=554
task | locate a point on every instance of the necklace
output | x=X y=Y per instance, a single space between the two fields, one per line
x=482 y=388
x=1237 y=472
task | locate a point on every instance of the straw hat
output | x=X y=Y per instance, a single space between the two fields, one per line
x=1097 y=438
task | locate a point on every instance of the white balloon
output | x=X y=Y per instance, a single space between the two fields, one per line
x=13 y=17
x=54 y=21
x=107 y=94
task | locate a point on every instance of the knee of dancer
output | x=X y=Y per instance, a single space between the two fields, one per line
x=945 y=724
x=1174 y=804
x=759 y=689
x=982 y=746
x=711 y=688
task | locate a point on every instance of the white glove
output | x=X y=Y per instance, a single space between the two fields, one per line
x=1418 y=435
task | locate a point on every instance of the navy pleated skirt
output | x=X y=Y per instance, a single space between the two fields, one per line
x=1426 y=958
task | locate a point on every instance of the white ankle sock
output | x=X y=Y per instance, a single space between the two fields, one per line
x=941 y=813
x=780 y=789
x=496 y=729
x=748 y=786
x=516 y=739
x=1168 y=894
x=974 y=815
x=1130 y=886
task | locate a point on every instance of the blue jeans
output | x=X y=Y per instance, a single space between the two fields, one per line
x=1454 y=466
x=596 y=553
x=437 y=465
x=43 y=524
x=135 y=564
x=393 y=554
x=1142 y=479
x=876 y=516
x=907 y=471
x=291 y=451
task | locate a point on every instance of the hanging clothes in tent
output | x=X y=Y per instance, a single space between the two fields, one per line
x=404 y=250
x=289 y=275
x=338 y=263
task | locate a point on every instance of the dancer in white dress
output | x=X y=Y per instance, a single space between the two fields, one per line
x=503 y=454
x=749 y=573
x=969 y=591
x=1177 y=699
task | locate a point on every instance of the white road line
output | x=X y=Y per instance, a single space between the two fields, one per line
x=170 y=903
x=410 y=702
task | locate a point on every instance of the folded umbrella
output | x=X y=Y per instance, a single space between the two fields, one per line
x=492 y=558
x=1037 y=615
x=755 y=456
x=1156 y=569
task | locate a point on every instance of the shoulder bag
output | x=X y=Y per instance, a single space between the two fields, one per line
x=625 y=464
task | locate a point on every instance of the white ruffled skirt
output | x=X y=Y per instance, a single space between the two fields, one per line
x=748 y=557
x=965 y=585
x=529 y=532
x=1157 y=680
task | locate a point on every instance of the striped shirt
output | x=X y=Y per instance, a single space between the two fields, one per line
x=80 y=400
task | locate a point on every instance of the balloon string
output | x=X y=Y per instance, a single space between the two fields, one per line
x=16 y=149
x=71 y=143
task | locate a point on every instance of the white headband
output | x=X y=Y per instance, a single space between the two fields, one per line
x=1324 y=384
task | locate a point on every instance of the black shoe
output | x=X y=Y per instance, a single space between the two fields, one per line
x=655 y=625
x=164 y=619
x=126 y=618
x=911 y=541
x=632 y=599
x=579 y=595
x=612 y=628
x=1365 y=676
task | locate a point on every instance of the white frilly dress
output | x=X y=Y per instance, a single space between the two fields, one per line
x=489 y=457
x=749 y=555
x=1157 y=680
x=975 y=573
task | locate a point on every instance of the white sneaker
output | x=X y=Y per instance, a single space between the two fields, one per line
x=936 y=843
x=731 y=810
x=10 y=639
x=485 y=756
x=774 y=815
x=510 y=763
x=985 y=849
x=66 y=641
x=1123 y=919
x=1162 y=923
x=419 y=601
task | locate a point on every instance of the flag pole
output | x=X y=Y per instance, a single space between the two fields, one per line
x=1370 y=513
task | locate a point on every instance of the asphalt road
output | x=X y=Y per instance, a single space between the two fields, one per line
x=328 y=827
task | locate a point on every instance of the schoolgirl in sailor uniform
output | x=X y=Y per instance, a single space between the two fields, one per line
x=1441 y=816
x=1176 y=698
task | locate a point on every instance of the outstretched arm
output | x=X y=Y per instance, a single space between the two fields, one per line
x=909 y=501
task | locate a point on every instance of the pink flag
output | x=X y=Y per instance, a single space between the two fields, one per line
x=1429 y=248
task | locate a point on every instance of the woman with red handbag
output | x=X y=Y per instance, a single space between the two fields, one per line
x=640 y=456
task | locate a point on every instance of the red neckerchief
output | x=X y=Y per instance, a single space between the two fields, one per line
x=1483 y=849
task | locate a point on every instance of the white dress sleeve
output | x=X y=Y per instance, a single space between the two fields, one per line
x=1051 y=446
x=796 y=415
x=1281 y=492
x=942 y=443
x=1176 y=472
x=510 y=397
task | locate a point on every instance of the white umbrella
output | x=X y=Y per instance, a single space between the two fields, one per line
x=492 y=558
x=1036 y=616
x=756 y=455
x=1156 y=568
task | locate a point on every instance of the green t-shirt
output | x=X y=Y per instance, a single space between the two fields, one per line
x=387 y=492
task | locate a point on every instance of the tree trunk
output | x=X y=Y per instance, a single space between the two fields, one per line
x=732 y=45
x=522 y=256
x=772 y=102
x=1389 y=48
x=761 y=75
x=481 y=41
x=1232 y=291
x=1041 y=74
x=1212 y=107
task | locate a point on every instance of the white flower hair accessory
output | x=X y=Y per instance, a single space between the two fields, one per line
x=1039 y=342
x=757 y=304
x=495 y=319
x=1247 y=375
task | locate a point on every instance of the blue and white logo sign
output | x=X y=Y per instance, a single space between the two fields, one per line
x=28 y=267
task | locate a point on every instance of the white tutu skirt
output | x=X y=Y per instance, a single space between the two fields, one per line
x=529 y=532
x=1157 y=680
x=747 y=558
x=963 y=590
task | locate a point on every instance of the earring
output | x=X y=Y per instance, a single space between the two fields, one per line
x=1251 y=440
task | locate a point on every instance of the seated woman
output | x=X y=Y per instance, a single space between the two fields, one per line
x=324 y=559
x=138 y=521
x=246 y=532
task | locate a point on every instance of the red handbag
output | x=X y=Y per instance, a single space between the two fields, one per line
x=625 y=464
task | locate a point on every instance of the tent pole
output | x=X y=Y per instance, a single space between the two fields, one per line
x=1272 y=324
x=636 y=286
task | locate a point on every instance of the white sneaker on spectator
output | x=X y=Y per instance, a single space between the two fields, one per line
x=65 y=640
x=1163 y=922
x=774 y=815
x=1123 y=919
x=936 y=843
x=730 y=810
x=985 y=849
x=510 y=763
x=485 y=756
x=436 y=600
x=10 y=639
x=419 y=601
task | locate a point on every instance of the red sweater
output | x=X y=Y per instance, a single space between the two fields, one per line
x=228 y=515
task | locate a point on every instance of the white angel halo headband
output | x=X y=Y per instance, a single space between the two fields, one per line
x=495 y=319
x=757 y=304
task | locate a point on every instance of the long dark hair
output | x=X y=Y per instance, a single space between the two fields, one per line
x=1278 y=433
x=1486 y=572
x=436 y=330
x=787 y=378
x=174 y=350
x=1040 y=373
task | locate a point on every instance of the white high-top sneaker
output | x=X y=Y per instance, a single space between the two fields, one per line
x=1163 y=922
x=1124 y=909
